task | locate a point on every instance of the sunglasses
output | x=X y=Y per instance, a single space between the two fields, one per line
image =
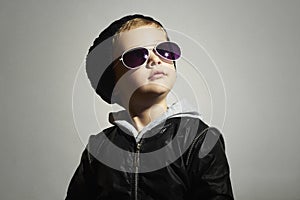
x=136 y=57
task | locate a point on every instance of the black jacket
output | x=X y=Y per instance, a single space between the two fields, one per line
x=200 y=172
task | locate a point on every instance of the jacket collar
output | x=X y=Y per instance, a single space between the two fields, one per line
x=180 y=108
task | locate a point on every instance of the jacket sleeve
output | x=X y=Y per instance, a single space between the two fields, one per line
x=82 y=185
x=210 y=177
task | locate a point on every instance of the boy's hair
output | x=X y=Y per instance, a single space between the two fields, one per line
x=104 y=85
x=135 y=23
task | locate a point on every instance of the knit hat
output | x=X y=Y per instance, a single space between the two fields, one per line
x=99 y=59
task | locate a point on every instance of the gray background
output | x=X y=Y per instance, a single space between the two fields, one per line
x=255 y=44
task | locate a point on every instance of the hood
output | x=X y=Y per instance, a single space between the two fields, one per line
x=178 y=109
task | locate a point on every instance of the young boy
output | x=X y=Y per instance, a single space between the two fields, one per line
x=152 y=151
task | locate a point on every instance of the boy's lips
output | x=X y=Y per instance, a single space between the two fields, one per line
x=157 y=74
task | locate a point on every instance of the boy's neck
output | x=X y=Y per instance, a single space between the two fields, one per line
x=144 y=112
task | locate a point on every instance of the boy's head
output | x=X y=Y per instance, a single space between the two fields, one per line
x=130 y=36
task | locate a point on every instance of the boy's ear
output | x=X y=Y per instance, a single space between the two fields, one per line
x=115 y=94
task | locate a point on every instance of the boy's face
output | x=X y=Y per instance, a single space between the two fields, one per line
x=156 y=77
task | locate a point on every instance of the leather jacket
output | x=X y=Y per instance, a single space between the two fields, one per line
x=114 y=165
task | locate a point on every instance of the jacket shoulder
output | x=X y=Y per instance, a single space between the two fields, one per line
x=192 y=123
x=97 y=140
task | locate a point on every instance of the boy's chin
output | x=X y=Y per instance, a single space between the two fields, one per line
x=149 y=94
x=153 y=89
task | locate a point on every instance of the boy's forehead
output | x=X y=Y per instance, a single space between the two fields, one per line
x=142 y=36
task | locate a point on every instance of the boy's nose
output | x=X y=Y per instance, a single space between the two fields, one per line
x=153 y=60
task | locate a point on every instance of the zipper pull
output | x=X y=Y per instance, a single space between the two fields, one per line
x=137 y=156
x=138 y=146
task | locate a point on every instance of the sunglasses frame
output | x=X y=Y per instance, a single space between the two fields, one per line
x=156 y=52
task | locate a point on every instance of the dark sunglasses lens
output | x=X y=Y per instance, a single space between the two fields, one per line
x=169 y=50
x=135 y=57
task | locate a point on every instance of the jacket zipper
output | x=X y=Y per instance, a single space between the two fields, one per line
x=137 y=163
x=192 y=145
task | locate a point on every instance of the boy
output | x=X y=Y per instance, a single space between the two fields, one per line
x=153 y=151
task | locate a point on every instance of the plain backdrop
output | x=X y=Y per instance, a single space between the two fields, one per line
x=255 y=44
